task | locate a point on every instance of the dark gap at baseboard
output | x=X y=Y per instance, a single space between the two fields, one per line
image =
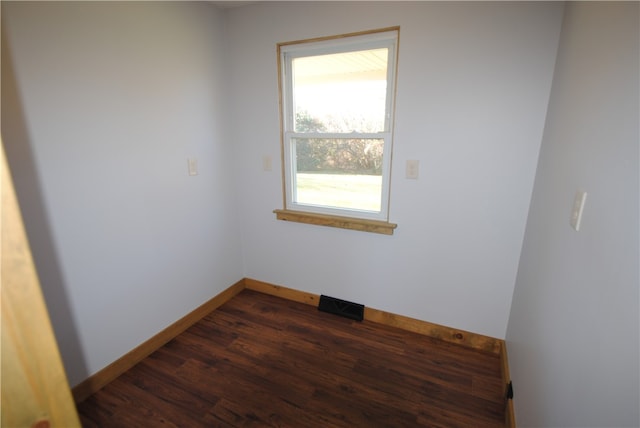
x=342 y=308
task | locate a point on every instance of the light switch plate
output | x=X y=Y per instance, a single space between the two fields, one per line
x=413 y=167
x=266 y=163
x=192 y=164
x=578 y=208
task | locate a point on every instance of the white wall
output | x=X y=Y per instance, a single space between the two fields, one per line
x=573 y=332
x=473 y=87
x=114 y=97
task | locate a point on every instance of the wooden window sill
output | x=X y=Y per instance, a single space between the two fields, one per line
x=373 y=226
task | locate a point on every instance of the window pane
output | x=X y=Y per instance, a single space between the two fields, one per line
x=339 y=173
x=340 y=92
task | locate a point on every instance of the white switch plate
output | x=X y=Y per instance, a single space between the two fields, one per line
x=266 y=163
x=413 y=167
x=578 y=207
x=192 y=164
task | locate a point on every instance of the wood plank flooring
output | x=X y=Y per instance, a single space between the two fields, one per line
x=260 y=360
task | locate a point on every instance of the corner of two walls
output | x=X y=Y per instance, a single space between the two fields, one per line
x=473 y=87
x=103 y=103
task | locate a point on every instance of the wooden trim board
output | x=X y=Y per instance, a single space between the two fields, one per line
x=100 y=379
x=280 y=291
x=447 y=334
x=373 y=226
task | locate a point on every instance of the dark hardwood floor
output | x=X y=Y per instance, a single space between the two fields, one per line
x=259 y=360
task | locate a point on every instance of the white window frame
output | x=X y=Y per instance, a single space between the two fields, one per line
x=385 y=38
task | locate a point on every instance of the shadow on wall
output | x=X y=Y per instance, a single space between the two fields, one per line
x=32 y=205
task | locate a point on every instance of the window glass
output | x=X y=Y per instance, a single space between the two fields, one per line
x=339 y=173
x=343 y=92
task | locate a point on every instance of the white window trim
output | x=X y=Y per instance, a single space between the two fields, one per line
x=387 y=38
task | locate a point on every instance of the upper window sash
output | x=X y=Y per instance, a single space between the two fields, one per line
x=341 y=44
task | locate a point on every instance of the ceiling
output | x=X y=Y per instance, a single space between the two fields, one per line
x=228 y=4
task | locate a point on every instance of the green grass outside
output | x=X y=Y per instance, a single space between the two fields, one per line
x=362 y=192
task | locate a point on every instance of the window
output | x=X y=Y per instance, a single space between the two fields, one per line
x=337 y=101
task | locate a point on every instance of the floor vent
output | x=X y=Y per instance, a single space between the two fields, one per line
x=343 y=308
